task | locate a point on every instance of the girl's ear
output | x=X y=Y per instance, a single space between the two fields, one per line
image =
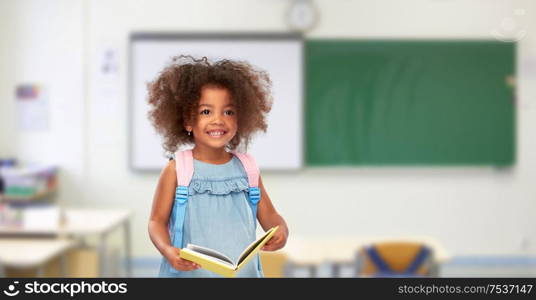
x=187 y=124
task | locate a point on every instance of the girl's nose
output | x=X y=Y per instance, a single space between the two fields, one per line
x=217 y=119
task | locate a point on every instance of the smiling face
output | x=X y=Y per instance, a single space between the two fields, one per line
x=215 y=122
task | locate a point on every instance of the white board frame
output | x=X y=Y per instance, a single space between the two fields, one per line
x=280 y=149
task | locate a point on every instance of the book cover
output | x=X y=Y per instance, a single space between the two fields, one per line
x=219 y=263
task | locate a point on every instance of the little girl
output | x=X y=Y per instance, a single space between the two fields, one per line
x=217 y=107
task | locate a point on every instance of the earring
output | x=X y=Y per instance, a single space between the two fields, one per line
x=189 y=133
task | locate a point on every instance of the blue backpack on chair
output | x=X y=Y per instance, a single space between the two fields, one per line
x=385 y=271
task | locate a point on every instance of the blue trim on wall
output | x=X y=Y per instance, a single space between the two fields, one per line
x=493 y=261
x=146 y=261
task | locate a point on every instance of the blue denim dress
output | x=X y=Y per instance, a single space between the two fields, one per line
x=218 y=216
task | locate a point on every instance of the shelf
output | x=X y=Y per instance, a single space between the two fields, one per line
x=23 y=199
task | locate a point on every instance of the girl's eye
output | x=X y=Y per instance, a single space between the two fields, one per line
x=229 y=112
x=205 y=112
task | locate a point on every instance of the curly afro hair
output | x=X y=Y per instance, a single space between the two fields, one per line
x=174 y=97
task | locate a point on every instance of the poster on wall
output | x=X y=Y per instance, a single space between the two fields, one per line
x=32 y=107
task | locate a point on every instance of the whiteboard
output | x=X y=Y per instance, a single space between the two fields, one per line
x=280 y=148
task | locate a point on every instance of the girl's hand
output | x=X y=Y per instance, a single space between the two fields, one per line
x=172 y=255
x=278 y=240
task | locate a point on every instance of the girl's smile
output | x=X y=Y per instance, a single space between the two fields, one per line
x=216 y=133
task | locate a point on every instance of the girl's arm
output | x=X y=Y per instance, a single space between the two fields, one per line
x=268 y=218
x=158 y=222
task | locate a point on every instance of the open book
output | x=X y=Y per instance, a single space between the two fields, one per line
x=219 y=263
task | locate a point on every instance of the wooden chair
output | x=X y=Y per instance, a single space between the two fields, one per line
x=395 y=259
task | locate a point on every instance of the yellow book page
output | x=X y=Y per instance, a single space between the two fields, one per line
x=209 y=263
x=224 y=268
x=250 y=251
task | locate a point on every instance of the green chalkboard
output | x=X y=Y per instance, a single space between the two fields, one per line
x=409 y=102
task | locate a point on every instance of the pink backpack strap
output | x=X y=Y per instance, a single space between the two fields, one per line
x=251 y=168
x=184 y=166
x=254 y=193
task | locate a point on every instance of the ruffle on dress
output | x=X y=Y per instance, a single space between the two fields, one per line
x=218 y=187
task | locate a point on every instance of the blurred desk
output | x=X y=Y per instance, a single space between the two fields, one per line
x=309 y=253
x=82 y=222
x=79 y=223
x=26 y=253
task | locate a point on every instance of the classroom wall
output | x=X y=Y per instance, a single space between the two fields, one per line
x=42 y=42
x=469 y=210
